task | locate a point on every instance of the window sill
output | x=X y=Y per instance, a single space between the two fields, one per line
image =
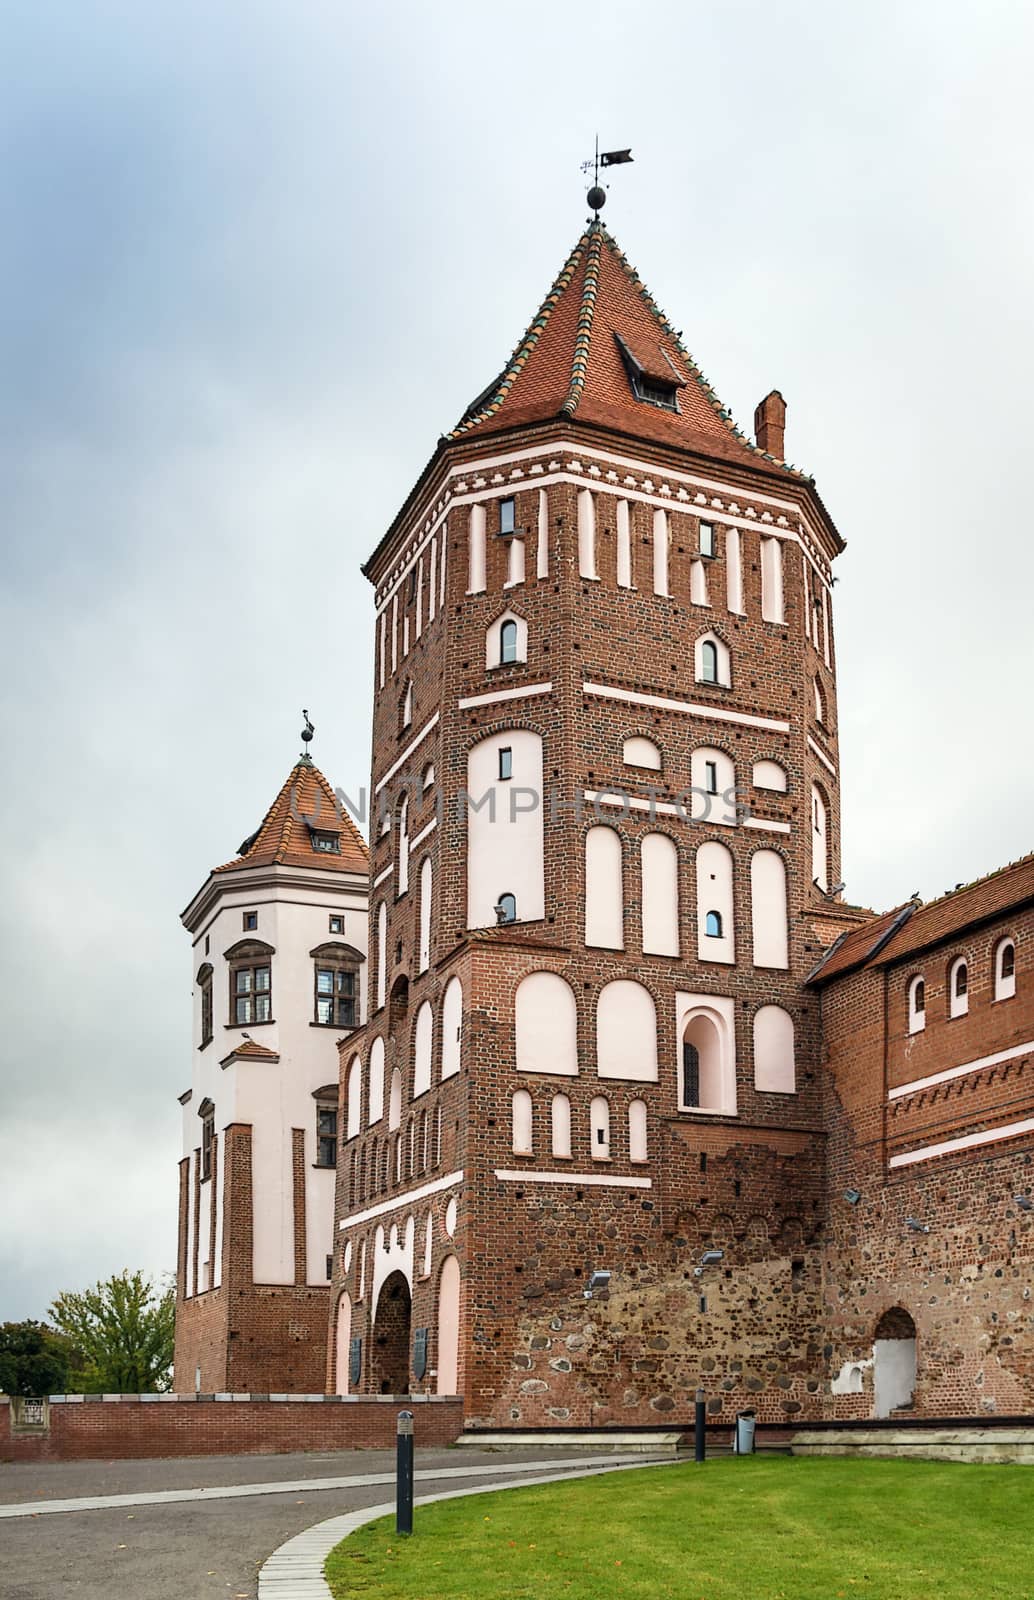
x=343 y=1028
x=706 y=1111
x=206 y=1042
x=270 y=1022
x=323 y=1166
x=1001 y=999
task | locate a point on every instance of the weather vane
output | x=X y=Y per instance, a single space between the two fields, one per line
x=597 y=196
x=307 y=733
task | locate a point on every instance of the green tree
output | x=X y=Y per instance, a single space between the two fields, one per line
x=124 y=1328
x=35 y=1360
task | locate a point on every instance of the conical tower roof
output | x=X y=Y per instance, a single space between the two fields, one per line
x=305 y=815
x=600 y=350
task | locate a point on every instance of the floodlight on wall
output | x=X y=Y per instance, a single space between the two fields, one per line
x=1024 y=1202
x=916 y=1225
x=598 y=1279
x=710 y=1258
x=852 y=1196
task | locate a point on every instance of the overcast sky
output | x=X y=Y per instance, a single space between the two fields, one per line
x=257 y=257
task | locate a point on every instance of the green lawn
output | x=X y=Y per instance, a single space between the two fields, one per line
x=754 y=1528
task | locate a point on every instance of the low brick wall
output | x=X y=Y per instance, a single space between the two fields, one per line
x=125 y=1427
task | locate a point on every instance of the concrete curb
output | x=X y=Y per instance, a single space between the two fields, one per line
x=295 y=1570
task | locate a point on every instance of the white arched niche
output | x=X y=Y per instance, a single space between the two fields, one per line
x=452 y=1027
x=626 y=1032
x=774 y=1058
x=422 y=1040
x=546 y=1025
x=706 y=1039
x=660 y=869
x=376 y=1080
x=713 y=777
x=768 y=909
x=641 y=752
x=504 y=829
x=716 y=939
x=604 y=889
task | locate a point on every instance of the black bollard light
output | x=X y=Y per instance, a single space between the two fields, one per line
x=699 y=1423
x=404 y=1473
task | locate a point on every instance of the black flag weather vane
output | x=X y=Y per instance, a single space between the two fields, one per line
x=597 y=196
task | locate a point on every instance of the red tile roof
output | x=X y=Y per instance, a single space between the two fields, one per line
x=569 y=362
x=251 y=1050
x=305 y=802
x=914 y=927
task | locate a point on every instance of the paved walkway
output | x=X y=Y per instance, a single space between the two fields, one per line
x=155 y=1530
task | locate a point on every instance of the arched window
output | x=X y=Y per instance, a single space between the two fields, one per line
x=599 y=1124
x=713 y=925
x=506 y=908
x=395 y=1100
x=560 y=1126
x=426 y=880
x=422 y=1036
x=546 y=1022
x=376 y=1080
x=402 y=865
x=641 y=752
x=712 y=660
x=604 y=892
x=626 y=1032
x=958 y=988
x=774 y=1064
x=354 y=1098
x=522 y=1123
x=708 y=1077
x=506 y=641
x=660 y=869
x=452 y=1025
x=768 y=909
x=504 y=825
x=916 y=1005
x=819 y=839
x=637 y=1150
x=1005 y=970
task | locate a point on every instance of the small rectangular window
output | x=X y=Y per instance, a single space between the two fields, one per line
x=507 y=516
x=250 y=921
x=330 y=1267
x=506 y=763
x=327 y=842
x=706 y=539
x=711 y=776
x=326 y=1136
x=337 y=924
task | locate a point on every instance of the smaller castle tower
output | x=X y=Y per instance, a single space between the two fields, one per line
x=278 y=950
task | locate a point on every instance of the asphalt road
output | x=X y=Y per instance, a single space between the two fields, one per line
x=193 y=1550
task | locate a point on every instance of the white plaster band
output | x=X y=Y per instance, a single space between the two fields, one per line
x=409 y=1198
x=407 y=752
x=961 y=1072
x=422 y=835
x=597 y=1180
x=765 y=825
x=663 y=703
x=969 y=1141
x=504 y=694
x=383 y=876
x=813 y=747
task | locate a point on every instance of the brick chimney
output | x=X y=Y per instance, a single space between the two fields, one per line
x=770 y=424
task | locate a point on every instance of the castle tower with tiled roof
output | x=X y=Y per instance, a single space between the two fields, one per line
x=279 y=944
x=605 y=755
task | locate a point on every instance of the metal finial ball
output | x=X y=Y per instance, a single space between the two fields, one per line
x=597 y=197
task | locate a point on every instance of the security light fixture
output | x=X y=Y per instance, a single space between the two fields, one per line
x=916 y=1225
x=852 y=1196
x=710 y=1258
x=599 y=1278
x=1024 y=1202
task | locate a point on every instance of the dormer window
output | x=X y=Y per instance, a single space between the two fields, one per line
x=507 y=516
x=328 y=843
x=652 y=375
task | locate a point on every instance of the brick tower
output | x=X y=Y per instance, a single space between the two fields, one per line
x=279 y=942
x=583 y=1156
